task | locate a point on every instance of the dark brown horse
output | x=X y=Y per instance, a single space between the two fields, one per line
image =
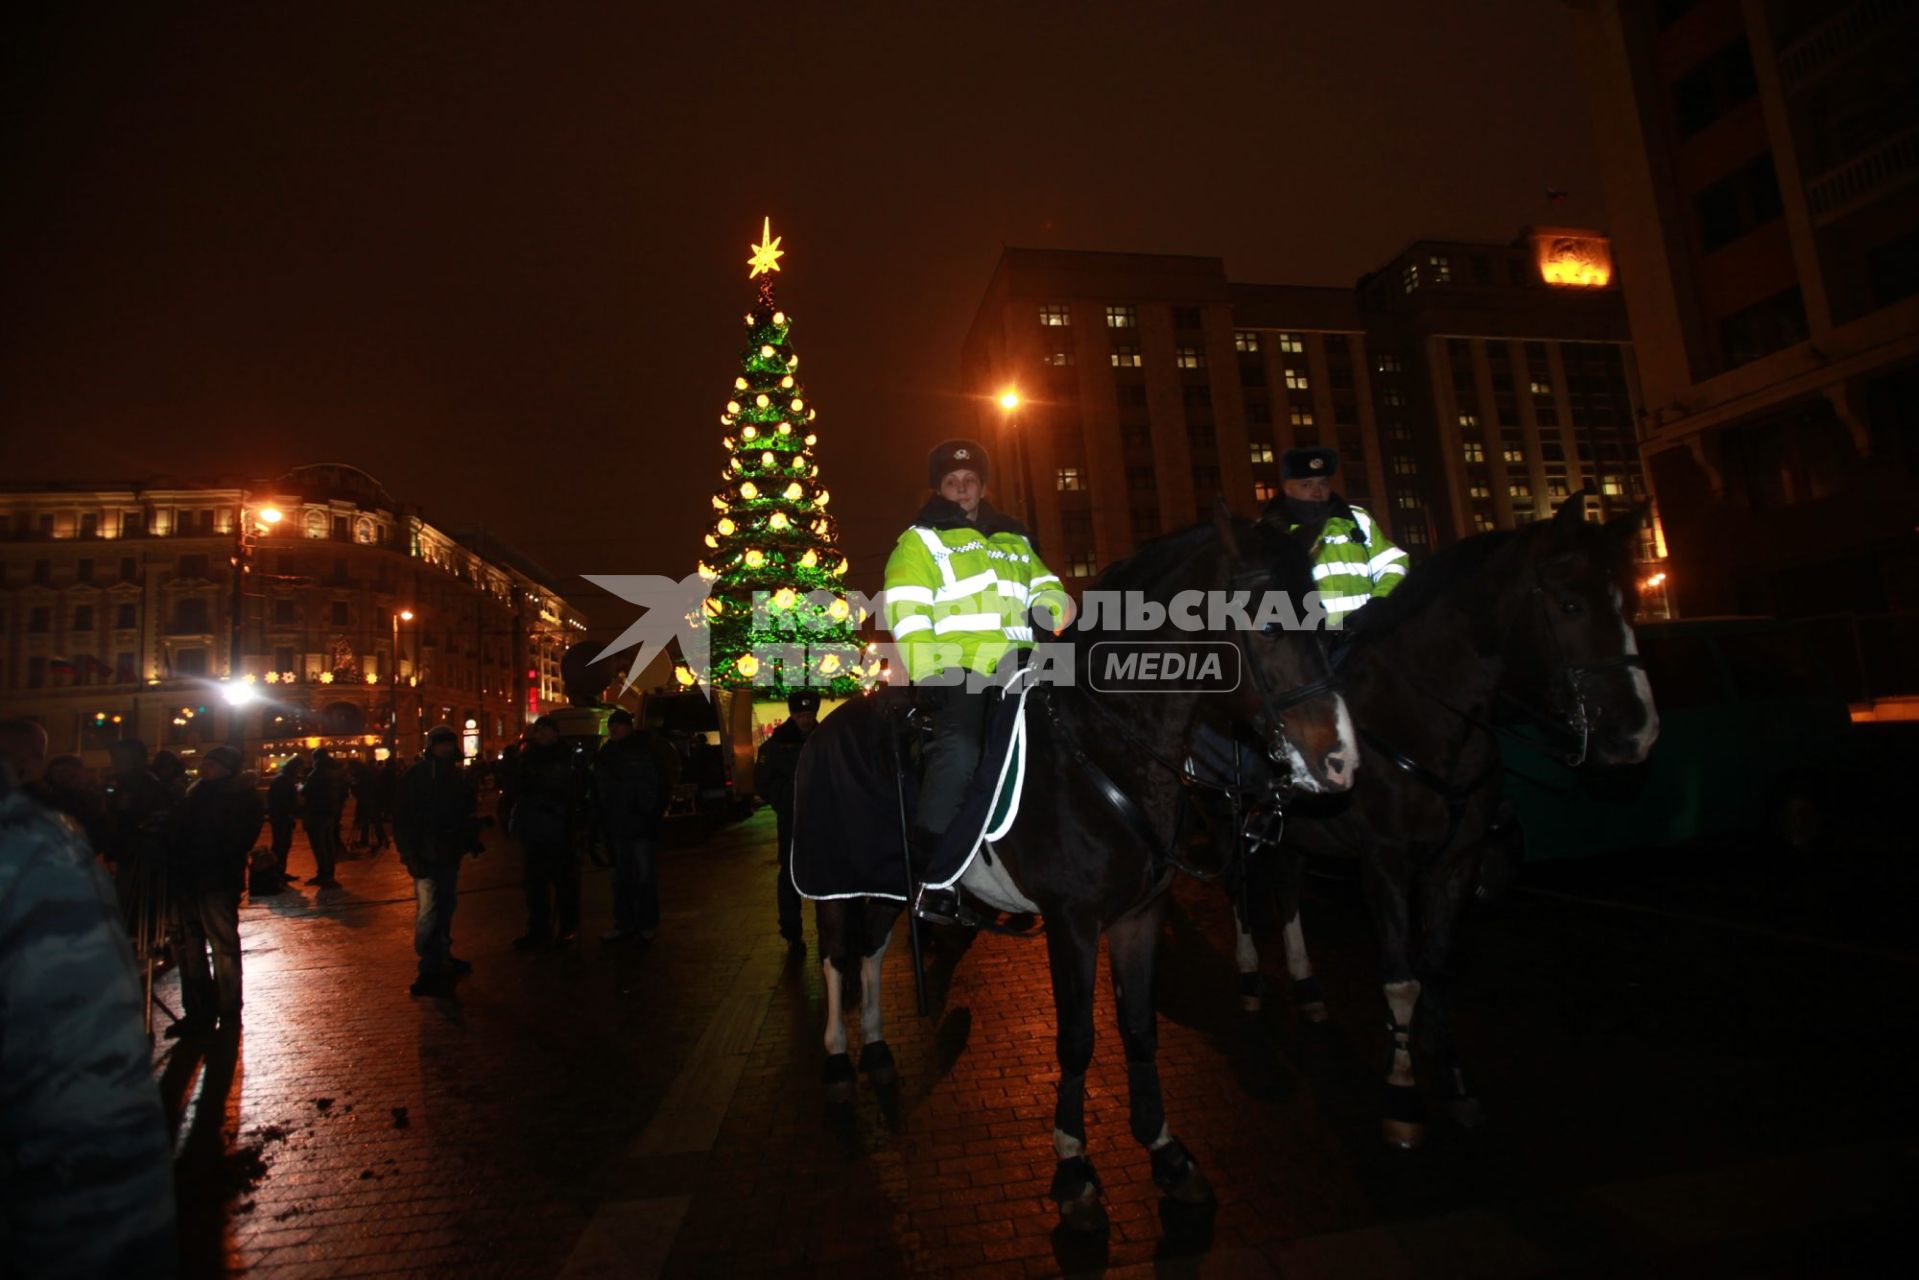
x=1089 y=849
x=1529 y=624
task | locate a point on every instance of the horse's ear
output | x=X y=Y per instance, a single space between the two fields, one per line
x=1623 y=526
x=1223 y=522
x=1571 y=514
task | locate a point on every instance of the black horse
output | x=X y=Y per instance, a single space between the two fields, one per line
x=1090 y=850
x=1530 y=624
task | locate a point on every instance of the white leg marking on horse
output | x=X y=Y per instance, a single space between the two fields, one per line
x=1401 y=997
x=1066 y=1146
x=835 y=1024
x=1641 y=688
x=870 y=968
x=1346 y=750
x=1298 y=965
x=1245 y=954
x=1165 y=1136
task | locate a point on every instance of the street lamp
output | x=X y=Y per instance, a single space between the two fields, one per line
x=393 y=657
x=268 y=516
x=1009 y=403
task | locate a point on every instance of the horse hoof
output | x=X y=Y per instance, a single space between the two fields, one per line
x=1177 y=1174
x=876 y=1063
x=1084 y=1213
x=1310 y=999
x=1407 y=1135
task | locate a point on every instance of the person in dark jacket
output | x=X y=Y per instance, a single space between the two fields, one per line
x=283 y=811
x=70 y=791
x=212 y=833
x=434 y=828
x=138 y=811
x=386 y=799
x=632 y=798
x=548 y=799
x=773 y=775
x=321 y=800
x=86 y=1163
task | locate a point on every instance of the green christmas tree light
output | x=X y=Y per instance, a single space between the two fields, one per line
x=777 y=617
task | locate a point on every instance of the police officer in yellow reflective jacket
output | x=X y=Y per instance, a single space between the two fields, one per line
x=1354 y=561
x=964 y=588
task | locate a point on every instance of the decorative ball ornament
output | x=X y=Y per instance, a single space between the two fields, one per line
x=714 y=606
x=798 y=404
x=811 y=440
x=747 y=665
x=829 y=664
x=838 y=610
x=739 y=384
x=811 y=413
x=712 y=542
x=766 y=459
x=795 y=491
x=766 y=351
x=787 y=382
x=785 y=598
x=737 y=464
x=792 y=362
x=726 y=527
x=685 y=676
x=819 y=527
x=719 y=503
x=810 y=559
x=762 y=400
x=755 y=558
x=732 y=406
x=749 y=432
x=707 y=572
x=786 y=428
x=726 y=419
x=749 y=491
x=779 y=521
x=779 y=318
x=727 y=442
x=824 y=498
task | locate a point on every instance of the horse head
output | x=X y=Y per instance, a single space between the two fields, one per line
x=1570 y=645
x=1289 y=696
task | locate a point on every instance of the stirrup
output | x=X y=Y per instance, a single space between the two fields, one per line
x=942 y=906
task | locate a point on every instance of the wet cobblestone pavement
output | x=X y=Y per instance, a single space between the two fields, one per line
x=1668 y=1096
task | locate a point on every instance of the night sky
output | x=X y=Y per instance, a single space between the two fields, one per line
x=497 y=258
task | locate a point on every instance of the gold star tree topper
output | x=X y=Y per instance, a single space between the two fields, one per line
x=767 y=253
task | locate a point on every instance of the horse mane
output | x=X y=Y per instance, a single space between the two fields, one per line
x=1441 y=576
x=1155 y=561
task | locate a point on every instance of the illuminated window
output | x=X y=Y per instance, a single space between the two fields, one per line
x=1122 y=317
x=1289 y=342
x=1262 y=452
x=1387 y=364
x=1474 y=451
x=1296 y=379
x=1264 y=490
x=1542 y=388
x=1482 y=522
x=1404 y=466
x=1390 y=395
x=1469 y=420
x=1126 y=357
x=1058 y=359
x=1055 y=315
x=1406 y=502
x=1069 y=479
x=1442 y=268
x=1519 y=490
x=1190 y=358
x=1479 y=491
x=1245 y=340
x=1610 y=486
x=1513 y=453
x=1302 y=417
x=1083 y=566
x=1409 y=277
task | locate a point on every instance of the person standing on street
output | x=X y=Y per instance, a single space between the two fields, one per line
x=86 y=1164
x=773 y=775
x=434 y=828
x=548 y=798
x=283 y=811
x=632 y=800
x=213 y=831
x=321 y=800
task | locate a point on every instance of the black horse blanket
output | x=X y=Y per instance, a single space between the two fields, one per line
x=847 y=837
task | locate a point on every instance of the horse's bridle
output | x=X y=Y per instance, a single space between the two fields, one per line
x=1273 y=706
x=1576 y=675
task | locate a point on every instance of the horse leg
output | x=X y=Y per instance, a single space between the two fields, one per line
x=1443 y=893
x=1308 y=996
x=1403 y=1122
x=1246 y=956
x=876 y=1060
x=837 y=1074
x=1131 y=943
x=1072 y=947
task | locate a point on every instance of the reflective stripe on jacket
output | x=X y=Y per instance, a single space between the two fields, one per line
x=1348 y=571
x=958 y=598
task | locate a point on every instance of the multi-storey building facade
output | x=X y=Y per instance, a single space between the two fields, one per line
x=1761 y=162
x=354 y=622
x=1467 y=387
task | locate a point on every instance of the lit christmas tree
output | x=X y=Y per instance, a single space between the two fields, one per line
x=777 y=617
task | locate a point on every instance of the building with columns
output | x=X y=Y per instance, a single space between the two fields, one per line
x=351 y=622
x=1467 y=387
x=1761 y=166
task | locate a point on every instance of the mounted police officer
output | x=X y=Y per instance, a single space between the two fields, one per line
x=962 y=586
x=1353 y=561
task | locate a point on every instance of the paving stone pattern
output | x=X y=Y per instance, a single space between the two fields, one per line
x=657 y=1108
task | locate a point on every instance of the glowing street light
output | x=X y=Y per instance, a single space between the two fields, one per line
x=238 y=695
x=1009 y=400
x=270 y=515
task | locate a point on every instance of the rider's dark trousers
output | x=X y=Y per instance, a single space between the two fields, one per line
x=959 y=728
